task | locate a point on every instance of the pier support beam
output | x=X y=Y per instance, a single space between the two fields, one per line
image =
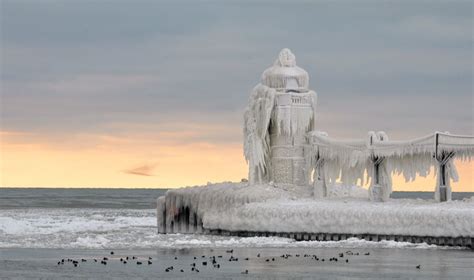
x=319 y=184
x=443 y=182
x=380 y=187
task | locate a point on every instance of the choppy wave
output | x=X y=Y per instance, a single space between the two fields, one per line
x=133 y=228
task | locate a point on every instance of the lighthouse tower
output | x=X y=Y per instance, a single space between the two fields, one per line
x=280 y=114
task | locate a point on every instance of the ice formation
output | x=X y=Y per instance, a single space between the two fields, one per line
x=302 y=180
x=354 y=216
x=281 y=111
x=376 y=159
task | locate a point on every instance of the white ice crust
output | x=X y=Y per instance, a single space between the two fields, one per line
x=260 y=208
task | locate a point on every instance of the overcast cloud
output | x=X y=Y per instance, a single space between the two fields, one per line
x=84 y=66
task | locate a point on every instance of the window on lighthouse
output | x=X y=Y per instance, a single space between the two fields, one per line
x=291 y=85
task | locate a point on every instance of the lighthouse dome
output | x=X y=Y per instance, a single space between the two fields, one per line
x=284 y=74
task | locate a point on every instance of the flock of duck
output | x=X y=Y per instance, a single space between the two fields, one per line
x=212 y=261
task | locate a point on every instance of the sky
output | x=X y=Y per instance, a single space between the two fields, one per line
x=151 y=94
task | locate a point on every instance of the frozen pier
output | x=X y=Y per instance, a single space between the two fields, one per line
x=300 y=179
x=304 y=236
x=268 y=210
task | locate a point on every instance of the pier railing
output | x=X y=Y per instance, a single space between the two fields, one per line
x=377 y=158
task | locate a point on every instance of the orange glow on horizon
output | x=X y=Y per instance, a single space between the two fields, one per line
x=157 y=160
x=124 y=162
x=465 y=183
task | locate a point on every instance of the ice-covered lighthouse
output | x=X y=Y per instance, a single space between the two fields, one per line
x=281 y=112
x=298 y=175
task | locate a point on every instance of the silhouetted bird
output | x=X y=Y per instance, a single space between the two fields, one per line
x=418 y=266
x=112 y=252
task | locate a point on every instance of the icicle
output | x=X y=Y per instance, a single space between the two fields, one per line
x=349 y=160
x=294 y=120
x=256 y=141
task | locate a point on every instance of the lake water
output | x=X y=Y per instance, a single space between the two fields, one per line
x=38 y=227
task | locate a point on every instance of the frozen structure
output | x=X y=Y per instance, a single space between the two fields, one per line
x=281 y=111
x=377 y=158
x=302 y=183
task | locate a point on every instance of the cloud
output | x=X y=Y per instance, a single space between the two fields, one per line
x=435 y=28
x=142 y=170
x=151 y=80
x=202 y=64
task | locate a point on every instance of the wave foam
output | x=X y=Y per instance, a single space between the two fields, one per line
x=127 y=229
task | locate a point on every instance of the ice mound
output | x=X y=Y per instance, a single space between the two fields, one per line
x=187 y=209
x=238 y=207
x=349 y=216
